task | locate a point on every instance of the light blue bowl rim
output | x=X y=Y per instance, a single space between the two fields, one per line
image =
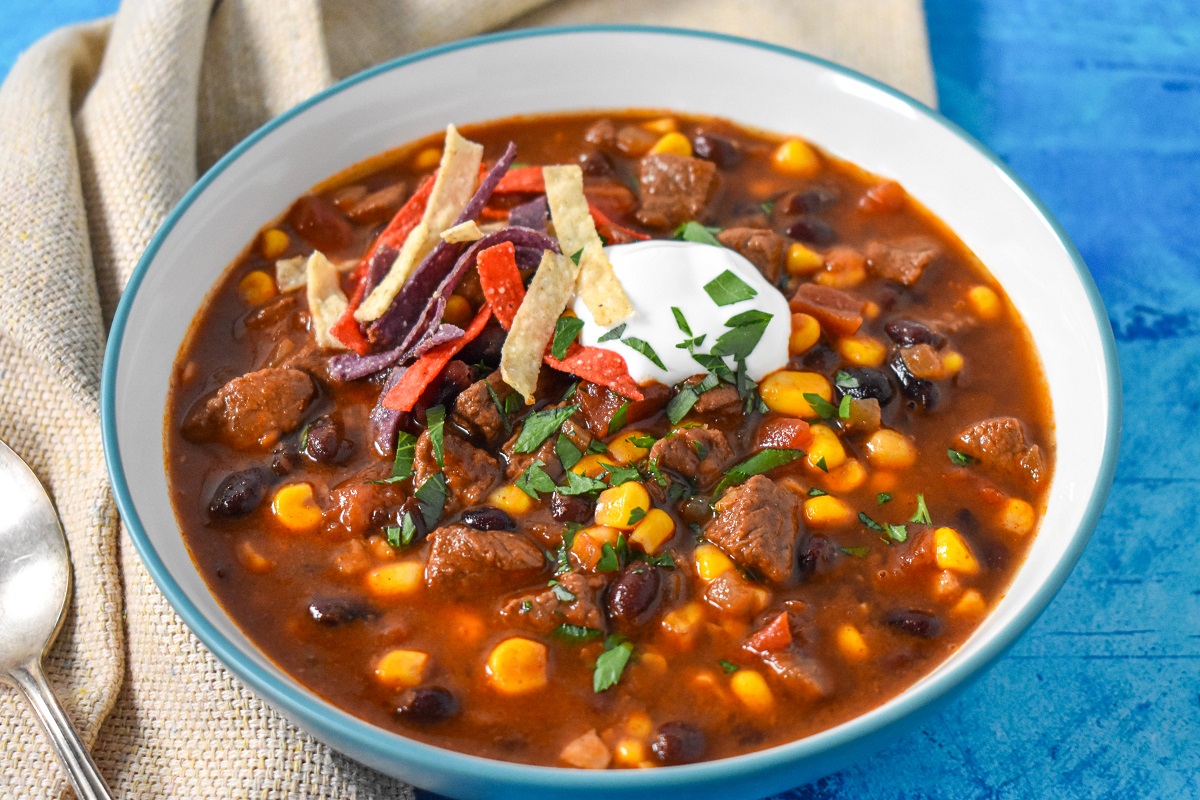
x=384 y=744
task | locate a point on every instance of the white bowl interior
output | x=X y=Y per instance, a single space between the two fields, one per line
x=759 y=87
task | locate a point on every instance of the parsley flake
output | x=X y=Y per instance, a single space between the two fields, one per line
x=961 y=459
x=501 y=406
x=921 y=515
x=435 y=420
x=568 y=454
x=611 y=663
x=823 y=408
x=700 y=234
x=618 y=419
x=613 y=333
x=578 y=254
x=534 y=480
x=760 y=462
x=575 y=633
x=727 y=289
x=883 y=497
x=643 y=347
x=728 y=666
x=539 y=425
x=565 y=332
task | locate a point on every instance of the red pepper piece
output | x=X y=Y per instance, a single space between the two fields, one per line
x=404 y=395
x=784 y=432
x=776 y=635
x=611 y=231
x=501 y=281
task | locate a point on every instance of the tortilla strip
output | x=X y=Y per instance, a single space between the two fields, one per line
x=598 y=285
x=456 y=179
x=549 y=292
x=326 y=300
x=291 y=273
x=462 y=232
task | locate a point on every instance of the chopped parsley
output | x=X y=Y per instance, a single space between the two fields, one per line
x=578 y=254
x=611 y=663
x=406 y=449
x=597 y=447
x=760 y=462
x=539 y=425
x=618 y=475
x=501 y=406
x=844 y=380
x=613 y=333
x=727 y=289
x=642 y=441
x=686 y=397
x=575 y=633
x=821 y=465
x=857 y=552
x=393 y=533
x=815 y=492
x=562 y=556
x=921 y=515
x=745 y=332
x=431 y=498
x=870 y=523
x=663 y=559
x=581 y=484
x=700 y=447
x=561 y=592
x=643 y=347
x=728 y=666
x=435 y=420
x=567 y=452
x=608 y=559
x=897 y=533
x=767 y=206
x=884 y=497
x=304 y=436
x=961 y=459
x=843 y=410
x=700 y=234
x=565 y=332
x=618 y=418
x=636 y=515
x=534 y=480
x=526 y=606
x=681 y=321
x=823 y=408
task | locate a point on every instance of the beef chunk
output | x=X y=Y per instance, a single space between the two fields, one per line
x=675 y=189
x=763 y=248
x=462 y=560
x=470 y=472
x=1000 y=444
x=800 y=676
x=517 y=463
x=902 y=260
x=599 y=405
x=545 y=611
x=475 y=411
x=253 y=410
x=699 y=454
x=722 y=399
x=359 y=504
x=838 y=312
x=758 y=523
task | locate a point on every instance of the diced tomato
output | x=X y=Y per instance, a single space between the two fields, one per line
x=501 y=281
x=775 y=635
x=404 y=395
x=787 y=433
x=611 y=232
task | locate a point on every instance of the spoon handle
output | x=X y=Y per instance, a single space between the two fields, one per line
x=86 y=779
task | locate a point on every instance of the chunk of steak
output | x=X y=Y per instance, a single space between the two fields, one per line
x=758 y=524
x=574 y=601
x=462 y=560
x=675 y=189
x=470 y=472
x=1000 y=444
x=902 y=260
x=477 y=413
x=698 y=454
x=360 y=504
x=762 y=247
x=599 y=405
x=516 y=463
x=722 y=399
x=253 y=410
x=838 y=312
x=800 y=676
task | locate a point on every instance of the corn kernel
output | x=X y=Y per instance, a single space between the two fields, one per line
x=380 y=548
x=517 y=666
x=590 y=465
x=865 y=351
x=395 y=580
x=984 y=302
x=673 y=143
x=783 y=392
x=846 y=478
x=653 y=532
x=751 y=688
x=825 y=449
x=629 y=752
x=851 y=643
x=401 y=669
x=952 y=361
x=624 y=451
x=623 y=506
x=661 y=125
x=639 y=725
x=588 y=547
x=256 y=288
x=827 y=511
x=951 y=552
x=796 y=159
x=711 y=562
x=892 y=450
x=682 y=624
x=427 y=159
x=296 y=508
x=871 y=309
x=512 y=500
x=252 y=559
x=805 y=333
x=274 y=243
x=971 y=604
x=1017 y=516
x=654 y=662
x=458 y=311
x=802 y=260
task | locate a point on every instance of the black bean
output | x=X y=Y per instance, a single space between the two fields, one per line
x=334 y=610
x=240 y=493
x=633 y=594
x=907 y=332
x=723 y=152
x=323 y=438
x=456 y=377
x=596 y=163
x=809 y=202
x=921 y=624
x=817 y=555
x=487 y=518
x=678 y=743
x=696 y=509
x=812 y=230
x=425 y=705
x=485 y=348
x=819 y=358
x=570 y=508
x=921 y=392
x=283 y=458
x=871 y=383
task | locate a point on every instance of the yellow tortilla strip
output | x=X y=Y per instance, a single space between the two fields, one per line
x=326 y=301
x=291 y=273
x=533 y=325
x=598 y=285
x=457 y=176
x=463 y=232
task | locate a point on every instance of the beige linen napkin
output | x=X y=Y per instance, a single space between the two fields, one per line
x=103 y=127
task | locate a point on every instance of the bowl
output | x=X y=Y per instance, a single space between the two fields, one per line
x=530 y=72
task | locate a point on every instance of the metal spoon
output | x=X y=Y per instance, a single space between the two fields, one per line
x=35 y=581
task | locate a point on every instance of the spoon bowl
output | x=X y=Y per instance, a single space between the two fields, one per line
x=35 y=583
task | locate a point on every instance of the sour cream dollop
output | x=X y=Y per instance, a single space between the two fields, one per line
x=659 y=275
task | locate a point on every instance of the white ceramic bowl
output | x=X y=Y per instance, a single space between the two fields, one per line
x=543 y=71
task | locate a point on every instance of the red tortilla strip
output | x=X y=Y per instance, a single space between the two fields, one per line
x=489 y=214
x=404 y=395
x=611 y=231
x=600 y=366
x=501 y=281
x=522 y=180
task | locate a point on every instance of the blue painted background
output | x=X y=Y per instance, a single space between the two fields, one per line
x=1096 y=103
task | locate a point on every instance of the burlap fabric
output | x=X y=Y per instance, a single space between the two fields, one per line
x=103 y=127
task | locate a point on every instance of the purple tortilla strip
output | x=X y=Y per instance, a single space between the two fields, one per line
x=410 y=310
x=385 y=423
x=347 y=367
x=440 y=335
x=381 y=261
x=528 y=258
x=533 y=214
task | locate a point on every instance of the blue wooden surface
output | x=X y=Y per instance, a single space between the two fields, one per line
x=1096 y=103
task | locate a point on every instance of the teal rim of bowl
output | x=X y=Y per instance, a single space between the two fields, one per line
x=324 y=717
